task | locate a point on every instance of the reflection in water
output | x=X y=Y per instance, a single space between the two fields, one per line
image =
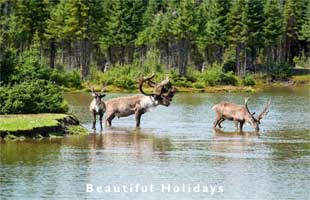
x=237 y=133
x=175 y=145
x=134 y=139
x=234 y=144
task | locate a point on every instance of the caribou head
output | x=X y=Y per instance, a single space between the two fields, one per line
x=97 y=98
x=162 y=92
x=250 y=117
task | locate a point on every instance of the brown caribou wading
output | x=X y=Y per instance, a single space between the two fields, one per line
x=139 y=104
x=238 y=114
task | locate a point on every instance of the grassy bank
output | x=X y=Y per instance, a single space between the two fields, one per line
x=261 y=82
x=214 y=78
x=38 y=125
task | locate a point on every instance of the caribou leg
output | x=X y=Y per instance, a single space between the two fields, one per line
x=241 y=126
x=219 y=124
x=138 y=118
x=109 y=118
x=94 y=120
x=100 y=118
x=216 y=121
x=236 y=124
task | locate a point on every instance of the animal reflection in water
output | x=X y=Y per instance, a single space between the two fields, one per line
x=221 y=133
x=232 y=144
x=133 y=139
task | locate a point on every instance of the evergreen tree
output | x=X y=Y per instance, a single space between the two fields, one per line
x=293 y=12
x=272 y=29
x=122 y=27
x=305 y=27
x=185 y=28
x=235 y=30
x=253 y=18
x=211 y=37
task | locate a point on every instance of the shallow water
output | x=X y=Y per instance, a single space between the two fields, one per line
x=175 y=145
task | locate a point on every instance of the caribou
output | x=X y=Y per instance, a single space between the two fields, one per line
x=97 y=106
x=238 y=114
x=139 y=104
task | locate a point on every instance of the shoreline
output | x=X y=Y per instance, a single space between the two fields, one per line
x=39 y=125
x=261 y=84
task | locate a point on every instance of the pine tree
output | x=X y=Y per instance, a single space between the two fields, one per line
x=211 y=37
x=185 y=29
x=70 y=24
x=236 y=28
x=253 y=18
x=293 y=12
x=305 y=27
x=246 y=32
x=272 y=29
x=122 y=27
x=27 y=17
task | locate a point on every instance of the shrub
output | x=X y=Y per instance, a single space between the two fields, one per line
x=33 y=96
x=229 y=65
x=74 y=79
x=29 y=68
x=228 y=79
x=198 y=85
x=248 y=80
x=179 y=81
x=215 y=76
x=125 y=82
x=212 y=75
x=68 y=79
x=7 y=65
x=281 y=71
x=302 y=61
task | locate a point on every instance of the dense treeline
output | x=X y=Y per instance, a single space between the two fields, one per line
x=243 y=35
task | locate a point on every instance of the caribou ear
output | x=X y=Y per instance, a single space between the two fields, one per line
x=102 y=95
x=253 y=113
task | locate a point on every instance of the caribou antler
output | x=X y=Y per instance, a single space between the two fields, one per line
x=104 y=86
x=246 y=100
x=91 y=88
x=151 y=83
x=142 y=82
x=265 y=111
x=160 y=87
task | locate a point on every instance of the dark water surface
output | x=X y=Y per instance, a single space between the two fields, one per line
x=176 y=145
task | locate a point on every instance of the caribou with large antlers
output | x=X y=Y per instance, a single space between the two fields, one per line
x=139 y=104
x=238 y=114
x=97 y=106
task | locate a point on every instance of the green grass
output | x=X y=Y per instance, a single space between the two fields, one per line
x=299 y=78
x=77 y=130
x=28 y=121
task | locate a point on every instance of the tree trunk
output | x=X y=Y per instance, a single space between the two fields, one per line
x=84 y=57
x=238 y=62
x=53 y=52
x=183 y=46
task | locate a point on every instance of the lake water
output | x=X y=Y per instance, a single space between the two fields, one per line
x=176 y=146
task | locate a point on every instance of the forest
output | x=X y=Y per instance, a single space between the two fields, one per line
x=198 y=42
